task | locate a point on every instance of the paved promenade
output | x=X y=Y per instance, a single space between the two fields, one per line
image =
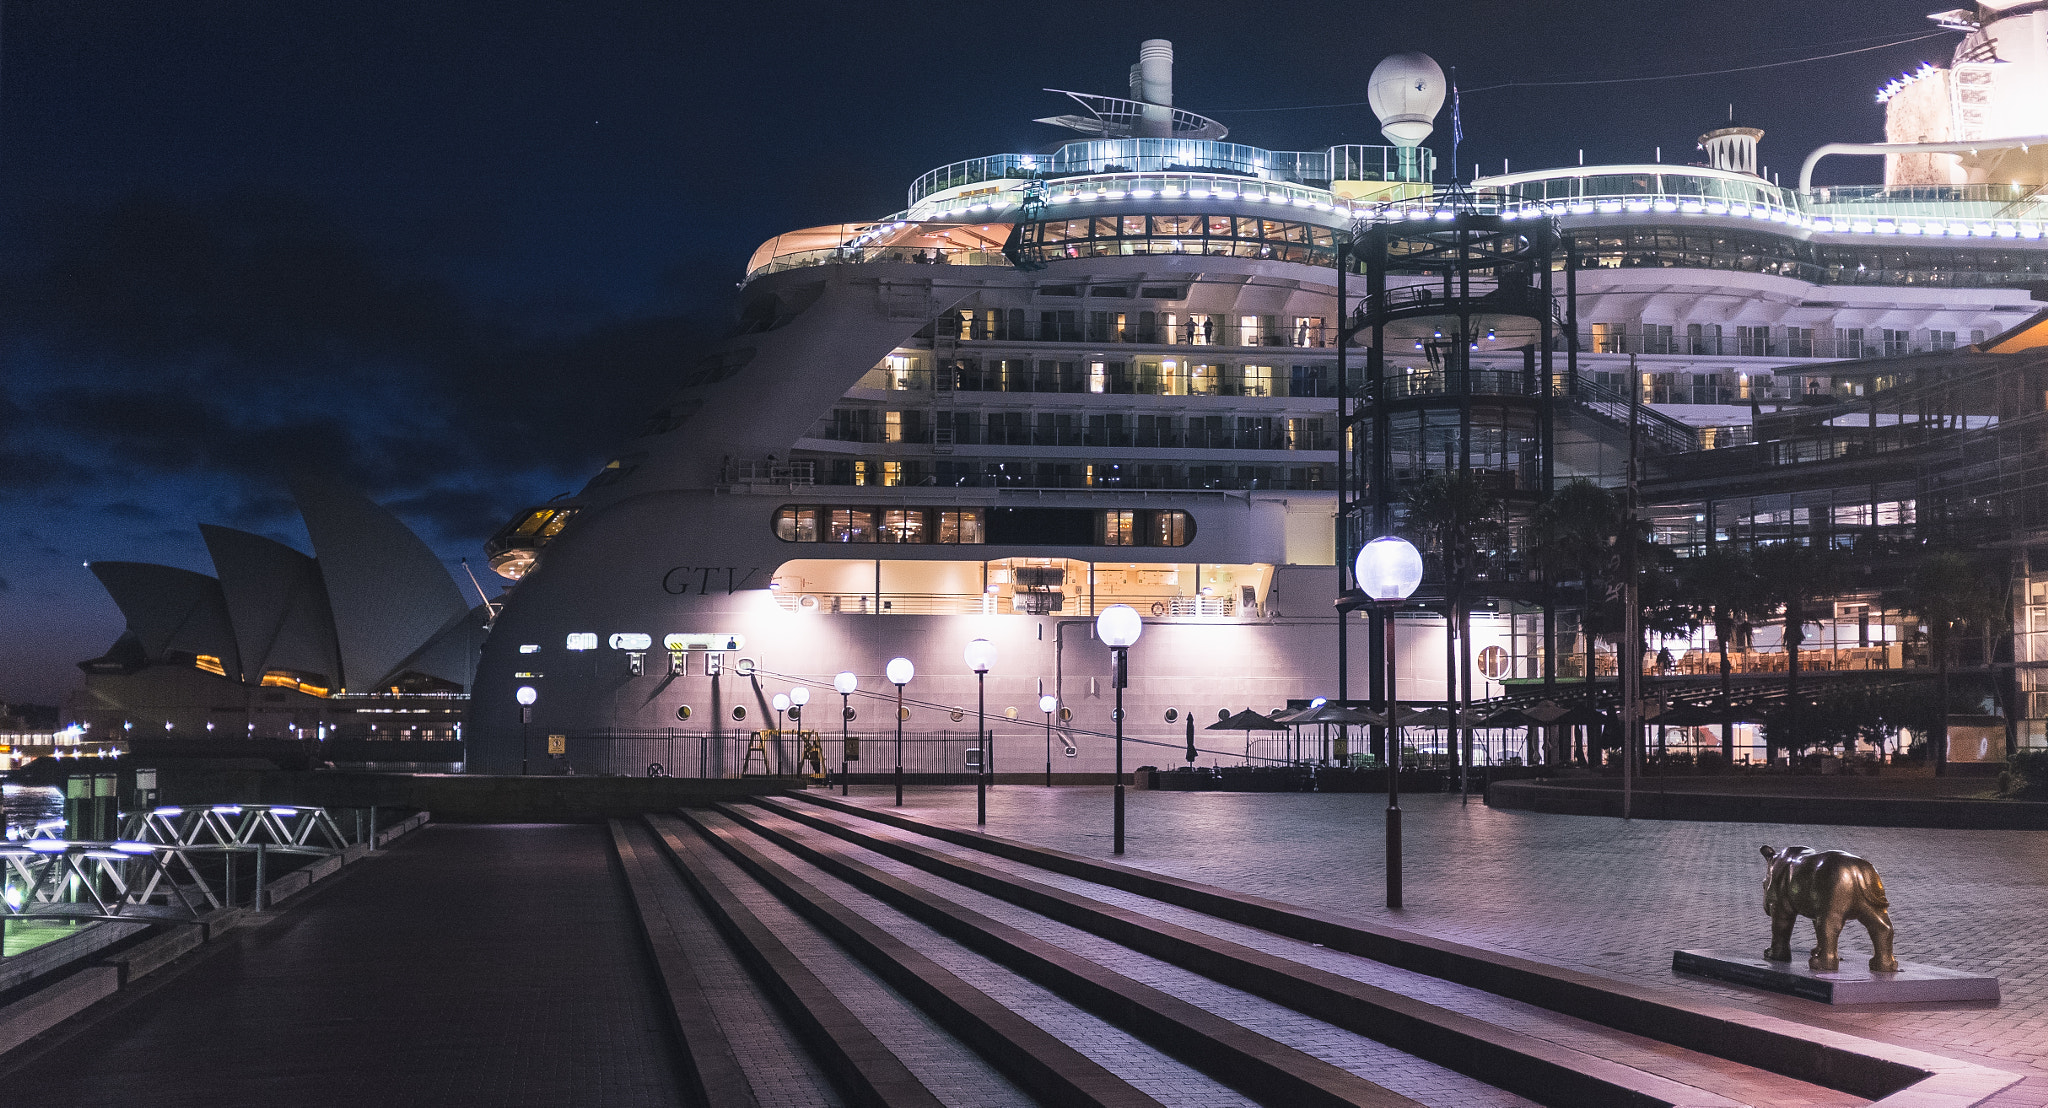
x=1601 y=895
x=485 y=966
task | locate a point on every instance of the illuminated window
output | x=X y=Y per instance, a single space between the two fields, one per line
x=860 y=472
x=1247 y=330
x=555 y=525
x=1205 y=380
x=797 y=524
x=899 y=372
x=1098 y=377
x=1308 y=330
x=533 y=522
x=852 y=525
x=1258 y=380
x=903 y=525
x=1172 y=528
x=892 y=427
x=1119 y=528
x=960 y=527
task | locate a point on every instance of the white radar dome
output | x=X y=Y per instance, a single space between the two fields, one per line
x=1406 y=91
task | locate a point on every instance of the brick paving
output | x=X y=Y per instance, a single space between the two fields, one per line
x=1594 y=894
x=490 y=966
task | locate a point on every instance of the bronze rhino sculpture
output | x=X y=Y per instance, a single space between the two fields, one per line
x=1828 y=886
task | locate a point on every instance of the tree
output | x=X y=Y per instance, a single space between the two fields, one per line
x=1457 y=523
x=1724 y=590
x=1951 y=591
x=1795 y=577
x=1574 y=537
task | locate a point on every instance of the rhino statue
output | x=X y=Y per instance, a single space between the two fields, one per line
x=1828 y=886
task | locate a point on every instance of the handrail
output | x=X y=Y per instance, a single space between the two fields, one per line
x=1869 y=148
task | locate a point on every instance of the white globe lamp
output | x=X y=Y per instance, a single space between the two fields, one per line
x=845 y=683
x=900 y=671
x=1119 y=626
x=981 y=655
x=1388 y=568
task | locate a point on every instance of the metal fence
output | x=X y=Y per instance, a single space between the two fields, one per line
x=933 y=757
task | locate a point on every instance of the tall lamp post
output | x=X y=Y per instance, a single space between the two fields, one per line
x=900 y=672
x=1118 y=627
x=526 y=695
x=1388 y=570
x=981 y=657
x=781 y=705
x=798 y=697
x=1048 y=704
x=844 y=684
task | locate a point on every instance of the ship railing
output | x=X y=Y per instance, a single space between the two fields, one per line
x=862 y=255
x=1162 y=329
x=769 y=474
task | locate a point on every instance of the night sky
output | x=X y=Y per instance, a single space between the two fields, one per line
x=453 y=251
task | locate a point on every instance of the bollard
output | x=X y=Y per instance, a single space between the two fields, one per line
x=260 y=865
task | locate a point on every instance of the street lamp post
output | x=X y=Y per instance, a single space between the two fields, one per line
x=798 y=697
x=1048 y=704
x=1118 y=627
x=526 y=695
x=1388 y=570
x=900 y=672
x=981 y=657
x=844 y=684
x=781 y=705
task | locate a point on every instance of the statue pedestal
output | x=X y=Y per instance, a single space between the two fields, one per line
x=1854 y=983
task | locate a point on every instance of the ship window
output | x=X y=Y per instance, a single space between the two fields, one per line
x=1059 y=290
x=1008 y=526
x=1121 y=292
x=852 y=525
x=960 y=526
x=796 y=524
x=533 y=522
x=556 y=524
x=1119 y=528
x=1172 y=292
x=903 y=525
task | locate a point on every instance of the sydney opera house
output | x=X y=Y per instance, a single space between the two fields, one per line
x=367 y=638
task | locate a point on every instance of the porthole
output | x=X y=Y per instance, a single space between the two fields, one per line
x=851 y=714
x=1172 y=714
x=1010 y=712
x=744 y=667
x=1066 y=715
x=739 y=712
x=682 y=711
x=903 y=714
x=959 y=714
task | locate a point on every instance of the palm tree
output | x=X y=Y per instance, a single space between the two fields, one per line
x=1457 y=522
x=1948 y=588
x=1795 y=577
x=1723 y=588
x=1574 y=536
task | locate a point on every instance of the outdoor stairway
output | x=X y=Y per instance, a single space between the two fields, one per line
x=918 y=964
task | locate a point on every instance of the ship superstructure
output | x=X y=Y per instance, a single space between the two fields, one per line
x=1109 y=373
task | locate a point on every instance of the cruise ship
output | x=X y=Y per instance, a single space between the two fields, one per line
x=1109 y=372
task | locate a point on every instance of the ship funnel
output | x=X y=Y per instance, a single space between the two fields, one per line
x=1152 y=83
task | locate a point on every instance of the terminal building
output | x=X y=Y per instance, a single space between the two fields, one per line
x=1112 y=372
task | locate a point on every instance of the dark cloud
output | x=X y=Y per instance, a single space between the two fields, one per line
x=241 y=337
x=129 y=509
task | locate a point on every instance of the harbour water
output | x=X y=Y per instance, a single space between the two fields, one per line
x=24 y=807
